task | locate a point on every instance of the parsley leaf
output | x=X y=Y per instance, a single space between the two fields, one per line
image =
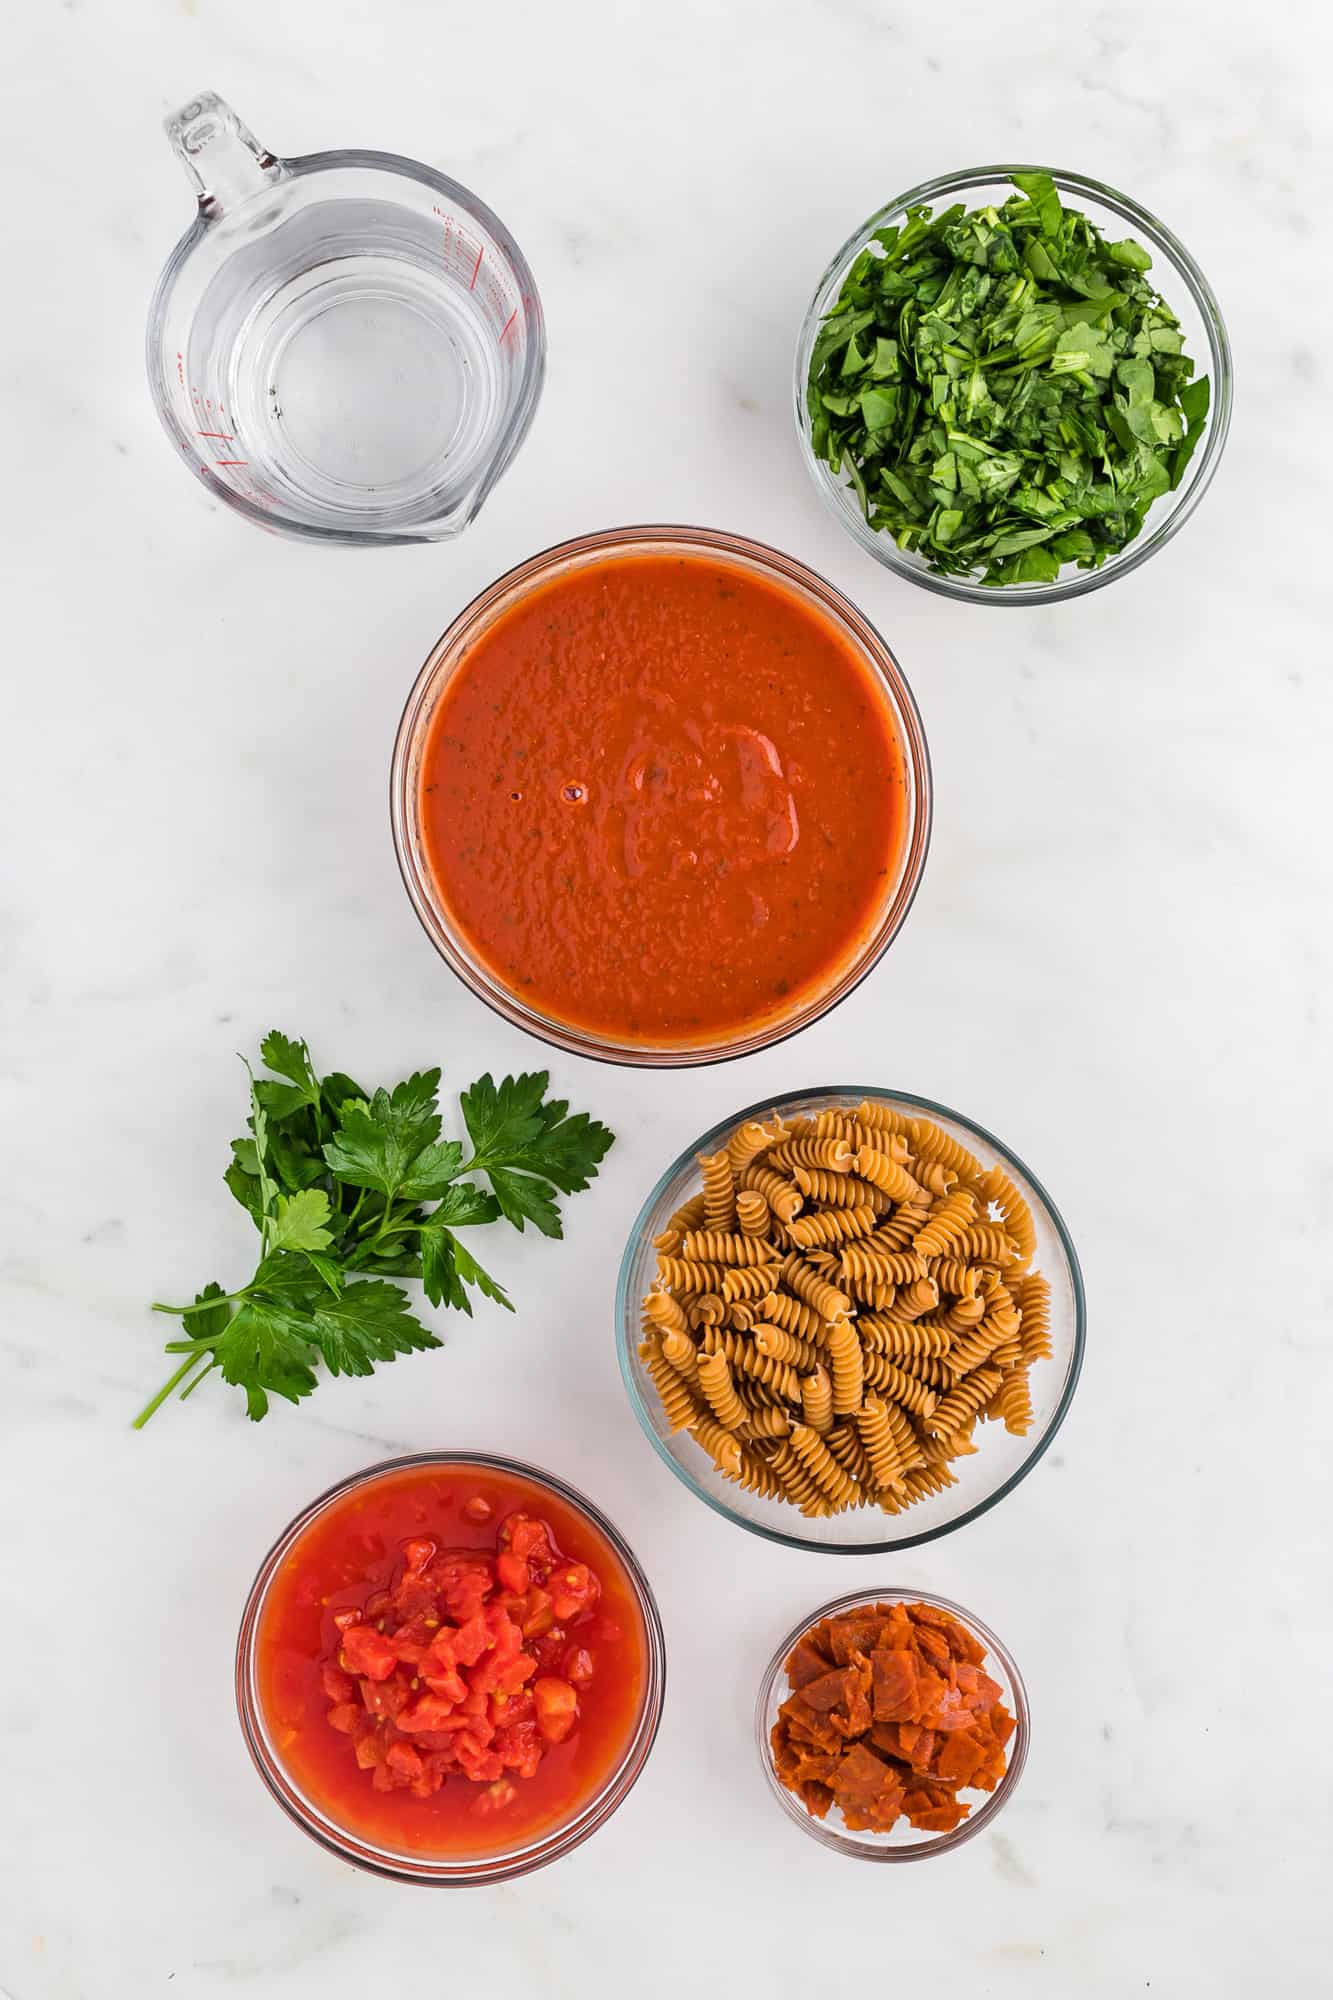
x=338 y=1183
x=529 y=1147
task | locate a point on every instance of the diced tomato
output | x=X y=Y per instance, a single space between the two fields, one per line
x=466 y=1669
x=557 y=1708
x=574 y=1588
x=337 y=1685
x=549 y=1649
x=404 y=1761
x=385 y=1698
x=428 y=1711
x=512 y=1571
x=366 y=1651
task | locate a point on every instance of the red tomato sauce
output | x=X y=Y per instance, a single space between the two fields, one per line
x=663 y=798
x=561 y=1699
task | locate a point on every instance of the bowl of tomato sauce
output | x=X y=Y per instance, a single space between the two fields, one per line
x=450 y=1669
x=661 y=796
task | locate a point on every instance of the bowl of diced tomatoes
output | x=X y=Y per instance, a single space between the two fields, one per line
x=450 y=1668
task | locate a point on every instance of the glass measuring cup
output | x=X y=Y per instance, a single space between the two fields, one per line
x=345 y=346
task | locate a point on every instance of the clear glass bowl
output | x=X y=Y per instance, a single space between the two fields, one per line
x=518 y=1858
x=444 y=660
x=1000 y=1460
x=1181 y=283
x=901 y=1842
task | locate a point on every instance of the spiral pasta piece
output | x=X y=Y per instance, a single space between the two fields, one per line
x=835 y=1155
x=680 y=1352
x=1034 y=1331
x=708 y=1309
x=909 y=1393
x=720 y=1391
x=796 y=1480
x=847 y=1367
x=755 y=1475
x=948 y=1220
x=845 y=1444
x=902 y=1339
x=781 y=1309
x=665 y=1312
x=952 y=1274
x=684 y=1274
x=784 y=1197
x=921 y=1296
x=964 y=1401
x=746 y=1143
x=877 y=1117
x=783 y=1346
x=835 y=1225
x=880 y=1265
x=719 y=1190
x=808 y=1284
x=677 y=1401
x=975 y=1346
x=766 y=1420
x=753 y=1214
x=817 y=1399
x=839 y=1190
x=997 y=1188
x=930 y=1142
x=823 y=1467
x=753 y=1282
x=721 y=1246
x=902 y=1225
x=835 y=1124
x=887 y=1175
x=722 y=1445
x=983 y=1243
x=935 y=1177
x=880 y=1446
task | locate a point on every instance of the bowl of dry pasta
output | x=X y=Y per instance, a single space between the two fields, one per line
x=850 y=1319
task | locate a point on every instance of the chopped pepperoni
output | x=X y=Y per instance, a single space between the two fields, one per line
x=902 y=1721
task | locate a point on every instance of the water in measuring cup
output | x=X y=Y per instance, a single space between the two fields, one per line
x=362 y=378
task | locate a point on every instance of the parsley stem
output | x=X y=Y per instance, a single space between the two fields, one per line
x=162 y=1394
x=223 y=1299
x=190 y=1387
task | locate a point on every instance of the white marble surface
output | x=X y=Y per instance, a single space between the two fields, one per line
x=1120 y=959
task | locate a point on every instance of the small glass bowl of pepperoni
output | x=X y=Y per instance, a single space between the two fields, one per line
x=450 y=1669
x=892 y=1725
x=877 y=1338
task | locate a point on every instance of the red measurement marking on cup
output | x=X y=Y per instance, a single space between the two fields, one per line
x=227 y=437
x=505 y=328
x=476 y=267
x=231 y=461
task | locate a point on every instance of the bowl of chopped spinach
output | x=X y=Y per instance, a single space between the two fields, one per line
x=1013 y=385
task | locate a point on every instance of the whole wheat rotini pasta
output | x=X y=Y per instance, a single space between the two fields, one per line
x=841 y=1301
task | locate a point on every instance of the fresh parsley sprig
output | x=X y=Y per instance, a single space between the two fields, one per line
x=350 y=1191
x=1005 y=390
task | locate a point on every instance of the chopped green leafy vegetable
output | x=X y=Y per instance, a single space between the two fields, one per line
x=1004 y=389
x=336 y=1182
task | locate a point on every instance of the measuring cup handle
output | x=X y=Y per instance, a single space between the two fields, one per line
x=224 y=160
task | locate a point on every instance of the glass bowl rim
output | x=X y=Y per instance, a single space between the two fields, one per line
x=1202 y=468
x=855 y=625
x=297 y=166
x=627 y=1322
x=364 y=1852
x=981 y=1816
